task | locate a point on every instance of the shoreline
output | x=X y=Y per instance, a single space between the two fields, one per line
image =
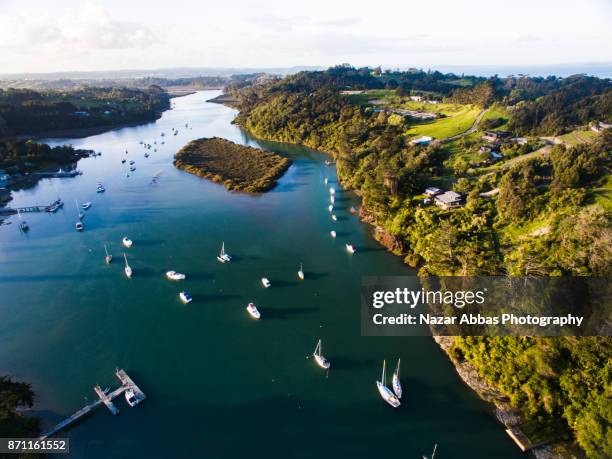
x=498 y=404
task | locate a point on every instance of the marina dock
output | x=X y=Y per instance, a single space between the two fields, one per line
x=104 y=397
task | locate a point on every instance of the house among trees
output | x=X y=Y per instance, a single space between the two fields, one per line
x=600 y=126
x=495 y=136
x=449 y=200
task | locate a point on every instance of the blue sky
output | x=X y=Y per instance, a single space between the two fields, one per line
x=58 y=35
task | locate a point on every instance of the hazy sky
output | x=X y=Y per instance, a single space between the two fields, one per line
x=58 y=35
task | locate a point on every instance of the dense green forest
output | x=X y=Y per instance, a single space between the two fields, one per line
x=15 y=396
x=23 y=156
x=545 y=213
x=24 y=111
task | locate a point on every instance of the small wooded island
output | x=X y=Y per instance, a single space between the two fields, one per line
x=239 y=167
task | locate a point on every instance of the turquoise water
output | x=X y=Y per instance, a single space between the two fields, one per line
x=219 y=384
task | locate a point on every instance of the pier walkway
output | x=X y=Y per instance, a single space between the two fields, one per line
x=105 y=398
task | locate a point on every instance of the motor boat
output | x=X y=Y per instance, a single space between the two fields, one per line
x=266 y=282
x=86 y=205
x=79 y=226
x=185 y=297
x=127 y=242
x=173 y=275
x=253 y=311
x=333 y=233
x=351 y=248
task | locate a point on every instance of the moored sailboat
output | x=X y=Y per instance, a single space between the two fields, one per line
x=386 y=393
x=317 y=354
x=301 y=272
x=395 y=382
x=128 y=270
x=108 y=258
x=223 y=257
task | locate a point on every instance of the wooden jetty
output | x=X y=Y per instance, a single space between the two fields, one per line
x=104 y=397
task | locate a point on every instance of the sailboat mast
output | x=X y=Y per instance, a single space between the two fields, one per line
x=126 y=263
x=382 y=379
x=398 y=367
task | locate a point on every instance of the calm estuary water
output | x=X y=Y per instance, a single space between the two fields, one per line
x=219 y=384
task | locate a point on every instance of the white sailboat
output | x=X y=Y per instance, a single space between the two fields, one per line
x=224 y=257
x=330 y=208
x=127 y=242
x=332 y=190
x=333 y=233
x=266 y=282
x=301 y=272
x=395 y=382
x=334 y=218
x=128 y=270
x=321 y=361
x=108 y=258
x=23 y=225
x=173 y=275
x=326 y=180
x=386 y=393
x=252 y=309
x=332 y=199
x=350 y=248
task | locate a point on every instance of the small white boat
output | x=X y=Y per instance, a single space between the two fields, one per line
x=333 y=233
x=162 y=134
x=132 y=168
x=79 y=226
x=334 y=218
x=350 y=248
x=321 y=361
x=330 y=208
x=395 y=382
x=132 y=162
x=127 y=242
x=173 y=275
x=301 y=272
x=386 y=393
x=108 y=258
x=332 y=199
x=223 y=257
x=123 y=161
x=266 y=282
x=326 y=180
x=100 y=189
x=130 y=397
x=146 y=155
x=86 y=205
x=185 y=297
x=252 y=309
x=332 y=190
x=23 y=225
x=128 y=270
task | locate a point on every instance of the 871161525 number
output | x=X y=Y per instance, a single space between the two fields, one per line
x=33 y=445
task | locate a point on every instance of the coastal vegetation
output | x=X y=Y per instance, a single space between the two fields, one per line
x=21 y=156
x=532 y=210
x=25 y=111
x=238 y=167
x=14 y=397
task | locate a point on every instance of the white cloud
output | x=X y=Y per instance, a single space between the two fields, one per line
x=89 y=27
